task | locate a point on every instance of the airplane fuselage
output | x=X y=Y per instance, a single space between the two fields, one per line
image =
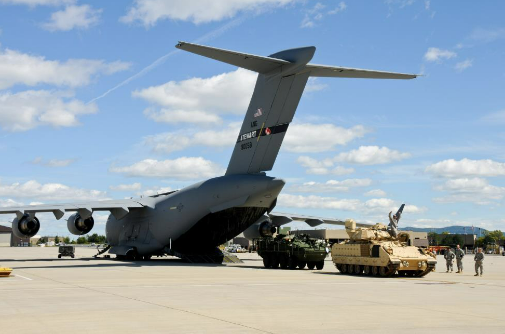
x=199 y=217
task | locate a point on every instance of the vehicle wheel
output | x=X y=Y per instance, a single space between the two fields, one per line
x=283 y=262
x=367 y=270
x=384 y=271
x=292 y=263
x=375 y=271
x=311 y=265
x=343 y=268
x=266 y=261
x=302 y=264
x=147 y=257
x=59 y=256
x=72 y=256
x=320 y=265
x=358 y=270
x=274 y=262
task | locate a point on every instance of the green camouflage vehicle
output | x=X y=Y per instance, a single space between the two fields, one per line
x=292 y=251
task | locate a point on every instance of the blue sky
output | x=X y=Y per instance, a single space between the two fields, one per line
x=96 y=103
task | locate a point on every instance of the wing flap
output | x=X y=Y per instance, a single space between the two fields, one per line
x=119 y=208
x=279 y=219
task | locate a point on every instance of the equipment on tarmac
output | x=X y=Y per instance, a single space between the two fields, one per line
x=4 y=272
x=292 y=251
x=66 y=251
x=373 y=251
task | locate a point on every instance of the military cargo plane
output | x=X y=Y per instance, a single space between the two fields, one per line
x=198 y=218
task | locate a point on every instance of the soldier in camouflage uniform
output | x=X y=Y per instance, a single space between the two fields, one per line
x=449 y=258
x=479 y=262
x=459 y=259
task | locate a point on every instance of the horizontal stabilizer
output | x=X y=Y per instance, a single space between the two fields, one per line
x=250 y=62
x=346 y=72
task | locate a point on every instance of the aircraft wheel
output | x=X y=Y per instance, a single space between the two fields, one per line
x=375 y=271
x=320 y=265
x=266 y=261
x=311 y=265
x=367 y=270
x=302 y=264
x=283 y=262
x=274 y=262
x=343 y=268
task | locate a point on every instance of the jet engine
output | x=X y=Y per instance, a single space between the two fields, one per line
x=260 y=230
x=79 y=226
x=25 y=227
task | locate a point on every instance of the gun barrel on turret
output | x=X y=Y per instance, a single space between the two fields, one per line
x=399 y=212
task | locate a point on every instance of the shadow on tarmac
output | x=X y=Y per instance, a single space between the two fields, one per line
x=99 y=262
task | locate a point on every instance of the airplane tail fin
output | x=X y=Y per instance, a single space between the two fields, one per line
x=282 y=77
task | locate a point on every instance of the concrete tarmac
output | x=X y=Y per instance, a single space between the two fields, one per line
x=166 y=295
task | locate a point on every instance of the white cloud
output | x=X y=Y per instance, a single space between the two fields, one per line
x=331 y=186
x=53 y=162
x=197 y=99
x=487 y=35
x=33 y=3
x=436 y=54
x=180 y=168
x=148 y=12
x=81 y=17
x=5 y=203
x=317 y=202
x=313 y=138
x=49 y=191
x=376 y=193
x=176 y=141
x=322 y=167
x=371 y=155
x=29 y=109
x=463 y=65
x=313 y=85
x=154 y=191
x=474 y=190
x=21 y=68
x=127 y=187
x=372 y=206
x=318 y=12
x=495 y=118
x=467 y=167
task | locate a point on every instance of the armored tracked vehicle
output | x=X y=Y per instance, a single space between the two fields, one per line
x=373 y=251
x=292 y=251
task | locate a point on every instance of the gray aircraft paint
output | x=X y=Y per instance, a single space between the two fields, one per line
x=200 y=217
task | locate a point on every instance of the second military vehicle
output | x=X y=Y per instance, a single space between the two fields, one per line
x=292 y=251
x=378 y=251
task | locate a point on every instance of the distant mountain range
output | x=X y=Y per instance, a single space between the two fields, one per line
x=450 y=229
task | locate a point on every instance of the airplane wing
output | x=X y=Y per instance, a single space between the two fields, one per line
x=118 y=208
x=279 y=219
x=347 y=72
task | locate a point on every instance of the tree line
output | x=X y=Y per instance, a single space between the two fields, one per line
x=446 y=239
x=85 y=239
